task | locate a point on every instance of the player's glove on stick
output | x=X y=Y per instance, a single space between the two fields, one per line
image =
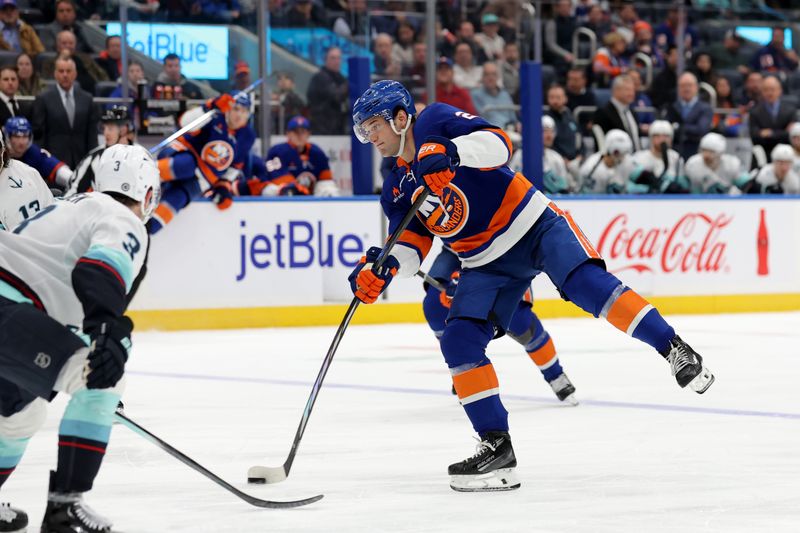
x=223 y=102
x=109 y=352
x=438 y=159
x=222 y=194
x=446 y=296
x=367 y=284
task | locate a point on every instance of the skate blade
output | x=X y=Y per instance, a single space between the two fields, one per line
x=571 y=400
x=498 y=480
x=702 y=381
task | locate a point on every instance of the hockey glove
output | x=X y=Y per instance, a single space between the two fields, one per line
x=109 y=352
x=367 y=284
x=223 y=102
x=438 y=159
x=221 y=194
x=294 y=189
x=446 y=296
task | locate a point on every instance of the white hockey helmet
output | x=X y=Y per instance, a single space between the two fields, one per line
x=618 y=143
x=794 y=130
x=129 y=170
x=713 y=142
x=548 y=123
x=661 y=127
x=782 y=152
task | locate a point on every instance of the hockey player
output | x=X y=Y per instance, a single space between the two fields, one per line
x=296 y=167
x=64 y=275
x=777 y=177
x=505 y=232
x=19 y=142
x=712 y=171
x=208 y=160
x=23 y=193
x=557 y=179
x=608 y=171
x=525 y=327
x=794 y=139
x=661 y=161
x=118 y=128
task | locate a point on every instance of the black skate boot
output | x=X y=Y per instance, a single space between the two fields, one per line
x=67 y=513
x=687 y=366
x=490 y=469
x=12 y=520
x=564 y=389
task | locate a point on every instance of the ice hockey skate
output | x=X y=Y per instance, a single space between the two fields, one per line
x=67 y=513
x=12 y=520
x=564 y=389
x=490 y=469
x=687 y=366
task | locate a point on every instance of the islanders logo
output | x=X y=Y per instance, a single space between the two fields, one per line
x=444 y=216
x=218 y=154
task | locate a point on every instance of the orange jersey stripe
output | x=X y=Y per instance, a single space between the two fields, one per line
x=582 y=239
x=503 y=135
x=475 y=380
x=420 y=242
x=545 y=354
x=515 y=193
x=164 y=213
x=625 y=309
x=165 y=169
x=280 y=180
x=325 y=175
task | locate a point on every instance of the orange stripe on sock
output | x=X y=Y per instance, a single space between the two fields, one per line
x=625 y=309
x=545 y=354
x=475 y=380
x=164 y=213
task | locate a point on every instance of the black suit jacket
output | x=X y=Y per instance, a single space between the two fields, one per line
x=51 y=125
x=690 y=130
x=608 y=118
x=25 y=110
x=761 y=119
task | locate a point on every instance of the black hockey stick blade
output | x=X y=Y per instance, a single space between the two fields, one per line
x=267 y=474
x=191 y=463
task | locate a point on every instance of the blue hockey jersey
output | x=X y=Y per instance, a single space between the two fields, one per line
x=287 y=163
x=44 y=163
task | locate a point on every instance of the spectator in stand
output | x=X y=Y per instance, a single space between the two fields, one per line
x=110 y=59
x=386 y=65
x=509 y=14
x=30 y=84
x=579 y=95
x=241 y=76
x=305 y=14
x=558 y=36
x=643 y=43
x=403 y=47
x=135 y=75
x=9 y=92
x=489 y=39
x=596 y=21
x=17 y=35
x=774 y=57
x=467 y=74
x=489 y=95
x=354 y=24
x=608 y=62
x=171 y=76
x=777 y=177
x=728 y=124
x=727 y=55
x=662 y=90
x=665 y=33
x=690 y=116
x=617 y=114
x=465 y=34
x=566 y=129
x=89 y=72
x=389 y=23
x=770 y=118
x=750 y=94
x=623 y=21
x=289 y=102
x=643 y=118
x=417 y=70
x=65 y=20
x=64 y=116
x=703 y=68
x=582 y=8
x=327 y=96
x=219 y=11
x=446 y=89
x=509 y=67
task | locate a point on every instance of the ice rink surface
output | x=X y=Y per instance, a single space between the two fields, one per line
x=639 y=454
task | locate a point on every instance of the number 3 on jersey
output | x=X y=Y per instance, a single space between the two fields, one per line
x=132 y=245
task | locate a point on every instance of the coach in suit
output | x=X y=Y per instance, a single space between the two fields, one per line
x=690 y=116
x=9 y=105
x=770 y=118
x=617 y=114
x=64 y=116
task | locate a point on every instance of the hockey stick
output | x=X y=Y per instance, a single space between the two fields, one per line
x=198 y=122
x=269 y=474
x=191 y=463
x=433 y=282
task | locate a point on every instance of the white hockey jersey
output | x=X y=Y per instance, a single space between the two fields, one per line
x=23 y=193
x=554 y=169
x=596 y=178
x=650 y=161
x=704 y=178
x=44 y=249
x=790 y=183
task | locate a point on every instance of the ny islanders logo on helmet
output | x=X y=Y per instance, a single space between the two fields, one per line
x=444 y=216
x=218 y=154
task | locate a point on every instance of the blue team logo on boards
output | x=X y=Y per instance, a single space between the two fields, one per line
x=444 y=216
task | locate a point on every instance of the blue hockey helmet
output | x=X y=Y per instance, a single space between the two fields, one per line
x=18 y=126
x=243 y=99
x=383 y=98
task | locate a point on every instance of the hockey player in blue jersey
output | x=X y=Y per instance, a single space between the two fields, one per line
x=505 y=232
x=207 y=160
x=296 y=167
x=525 y=327
x=19 y=140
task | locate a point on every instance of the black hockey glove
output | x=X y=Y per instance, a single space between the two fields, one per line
x=109 y=352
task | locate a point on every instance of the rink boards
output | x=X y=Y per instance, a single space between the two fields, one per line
x=285 y=262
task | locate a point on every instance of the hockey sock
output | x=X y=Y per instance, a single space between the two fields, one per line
x=435 y=313
x=82 y=438
x=600 y=293
x=464 y=347
x=11 y=451
x=527 y=329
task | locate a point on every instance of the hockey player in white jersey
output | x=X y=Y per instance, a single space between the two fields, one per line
x=712 y=171
x=609 y=171
x=661 y=160
x=794 y=139
x=556 y=178
x=64 y=276
x=23 y=192
x=777 y=177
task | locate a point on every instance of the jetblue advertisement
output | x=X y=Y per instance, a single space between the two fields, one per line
x=203 y=49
